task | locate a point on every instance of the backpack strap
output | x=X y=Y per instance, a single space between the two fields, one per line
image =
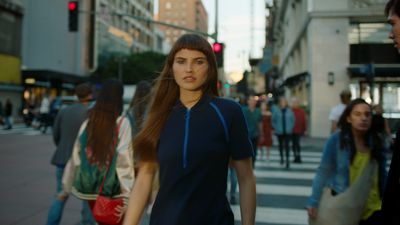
x=112 y=156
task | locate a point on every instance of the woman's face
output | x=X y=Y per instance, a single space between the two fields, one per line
x=360 y=118
x=378 y=110
x=190 y=70
x=283 y=103
x=252 y=101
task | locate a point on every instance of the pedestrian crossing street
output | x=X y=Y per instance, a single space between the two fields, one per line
x=282 y=193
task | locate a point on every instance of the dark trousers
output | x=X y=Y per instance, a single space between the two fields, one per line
x=283 y=140
x=296 y=147
x=254 y=142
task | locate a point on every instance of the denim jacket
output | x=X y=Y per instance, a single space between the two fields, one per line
x=277 y=123
x=334 y=169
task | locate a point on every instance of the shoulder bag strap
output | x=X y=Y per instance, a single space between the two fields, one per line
x=112 y=156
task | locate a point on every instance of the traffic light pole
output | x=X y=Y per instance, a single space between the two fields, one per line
x=213 y=36
x=216 y=22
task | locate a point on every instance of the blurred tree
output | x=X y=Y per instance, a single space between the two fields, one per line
x=134 y=68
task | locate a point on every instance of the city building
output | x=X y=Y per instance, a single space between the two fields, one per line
x=55 y=58
x=190 y=14
x=320 y=47
x=11 y=14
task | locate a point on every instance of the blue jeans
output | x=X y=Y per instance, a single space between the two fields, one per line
x=8 y=122
x=57 y=207
x=233 y=181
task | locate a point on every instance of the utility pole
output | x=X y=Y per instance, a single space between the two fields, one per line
x=216 y=22
x=251 y=28
x=149 y=20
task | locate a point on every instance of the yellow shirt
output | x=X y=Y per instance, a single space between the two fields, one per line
x=374 y=202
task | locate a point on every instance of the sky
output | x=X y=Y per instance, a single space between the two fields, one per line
x=234 y=30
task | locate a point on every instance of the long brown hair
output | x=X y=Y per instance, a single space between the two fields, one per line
x=166 y=93
x=139 y=102
x=101 y=128
x=371 y=137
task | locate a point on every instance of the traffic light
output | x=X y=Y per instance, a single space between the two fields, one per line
x=218 y=49
x=73 y=20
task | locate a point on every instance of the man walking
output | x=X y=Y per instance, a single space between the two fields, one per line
x=283 y=123
x=8 y=121
x=65 y=131
x=336 y=111
x=253 y=117
x=299 y=129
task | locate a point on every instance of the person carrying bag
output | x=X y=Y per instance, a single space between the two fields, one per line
x=104 y=208
x=345 y=208
x=101 y=169
x=353 y=168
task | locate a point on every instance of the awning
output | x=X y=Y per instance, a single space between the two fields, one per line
x=50 y=78
x=48 y=75
x=295 y=79
x=381 y=70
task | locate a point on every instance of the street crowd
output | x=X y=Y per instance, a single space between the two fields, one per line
x=168 y=155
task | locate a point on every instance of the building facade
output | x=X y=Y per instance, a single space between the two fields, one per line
x=190 y=14
x=55 y=59
x=125 y=34
x=11 y=15
x=320 y=47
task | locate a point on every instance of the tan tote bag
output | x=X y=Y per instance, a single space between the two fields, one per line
x=346 y=208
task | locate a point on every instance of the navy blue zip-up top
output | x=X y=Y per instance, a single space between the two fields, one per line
x=194 y=150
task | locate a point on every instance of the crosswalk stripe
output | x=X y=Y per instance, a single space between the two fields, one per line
x=303 y=154
x=284 y=174
x=289 y=190
x=276 y=215
x=274 y=180
x=268 y=165
x=315 y=159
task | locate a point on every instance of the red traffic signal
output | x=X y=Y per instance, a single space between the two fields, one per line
x=72 y=6
x=73 y=13
x=218 y=49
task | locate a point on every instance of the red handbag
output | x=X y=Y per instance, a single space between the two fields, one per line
x=104 y=209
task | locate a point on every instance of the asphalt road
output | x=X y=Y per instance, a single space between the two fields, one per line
x=28 y=182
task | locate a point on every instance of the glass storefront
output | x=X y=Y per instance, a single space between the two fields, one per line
x=369 y=33
x=385 y=94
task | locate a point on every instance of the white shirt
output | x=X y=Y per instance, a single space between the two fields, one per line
x=336 y=112
x=45 y=105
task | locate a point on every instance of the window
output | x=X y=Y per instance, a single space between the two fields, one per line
x=391 y=98
x=369 y=33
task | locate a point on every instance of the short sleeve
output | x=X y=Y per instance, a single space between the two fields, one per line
x=332 y=115
x=239 y=141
